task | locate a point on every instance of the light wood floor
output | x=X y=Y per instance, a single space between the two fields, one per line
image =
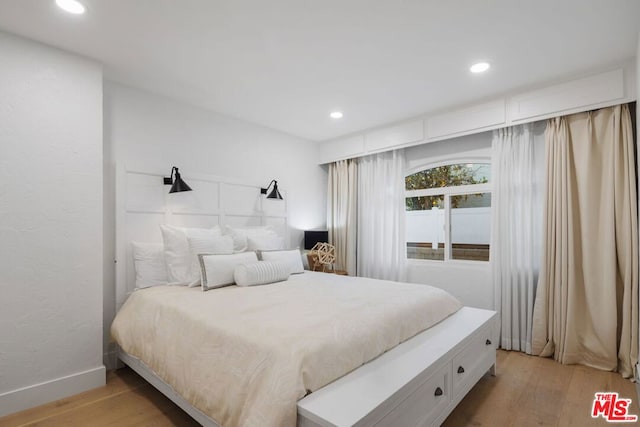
x=527 y=391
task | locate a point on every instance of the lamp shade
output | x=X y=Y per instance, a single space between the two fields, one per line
x=311 y=237
x=274 y=193
x=177 y=185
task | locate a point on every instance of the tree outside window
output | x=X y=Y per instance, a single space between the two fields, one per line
x=445 y=176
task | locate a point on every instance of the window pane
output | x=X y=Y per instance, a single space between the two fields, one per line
x=449 y=176
x=424 y=203
x=425 y=227
x=471 y=226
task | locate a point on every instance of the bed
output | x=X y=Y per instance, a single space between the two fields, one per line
x=363 y=352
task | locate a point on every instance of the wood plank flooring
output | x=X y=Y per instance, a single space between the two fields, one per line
x=527 y=391
x=535 y=391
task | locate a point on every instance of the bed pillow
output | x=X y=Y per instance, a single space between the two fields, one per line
x=292 y=257
x=265 y=243
x=217 y=270
x=148 y=261
x=176 y=250
x=213 y=245
x=261 y=273
x=259 y=235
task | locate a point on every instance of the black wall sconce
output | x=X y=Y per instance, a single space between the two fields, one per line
x=177 y=184
x=274 y=194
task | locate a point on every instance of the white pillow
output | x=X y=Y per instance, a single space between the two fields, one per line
x=265 y=243
x=292 y=257
x=216 y=245
x=261 y=273
x=217 y=270
x=241 y=235
x=148 y=261
x=176 y=250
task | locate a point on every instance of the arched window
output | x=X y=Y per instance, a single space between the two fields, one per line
x=448 y=210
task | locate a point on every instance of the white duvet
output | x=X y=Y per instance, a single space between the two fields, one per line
x=245 y=355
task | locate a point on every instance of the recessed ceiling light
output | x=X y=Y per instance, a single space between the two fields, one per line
x=71 y=6
x=336 y=115
x=480 y=67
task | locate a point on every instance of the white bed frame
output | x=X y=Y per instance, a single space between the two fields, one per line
x=417 y=383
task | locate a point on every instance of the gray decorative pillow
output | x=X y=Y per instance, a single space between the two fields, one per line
x=217 y=270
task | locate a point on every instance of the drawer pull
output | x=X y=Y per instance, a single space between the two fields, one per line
x=460 y=370
x=438 y=392
x=488 y=342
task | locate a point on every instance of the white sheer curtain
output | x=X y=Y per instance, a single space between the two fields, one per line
x=517 y=169
x=342 y=198
x=381 y=216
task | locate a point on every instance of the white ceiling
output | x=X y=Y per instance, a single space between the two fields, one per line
x=287 y=63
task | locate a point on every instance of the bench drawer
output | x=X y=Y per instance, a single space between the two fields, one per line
x=423 y=406
x=470 y=364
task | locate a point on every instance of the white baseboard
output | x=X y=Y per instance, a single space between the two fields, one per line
x=38 y=394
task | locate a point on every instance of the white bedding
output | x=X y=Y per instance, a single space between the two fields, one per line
x=245 y=355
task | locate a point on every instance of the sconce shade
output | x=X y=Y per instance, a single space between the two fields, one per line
x=274 y=194
x=177 y=184
x=311 y=237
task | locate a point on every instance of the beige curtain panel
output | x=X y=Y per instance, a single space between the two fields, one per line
x=341 y=212
x=586 y=308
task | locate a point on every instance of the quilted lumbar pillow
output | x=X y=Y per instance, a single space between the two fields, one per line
x=292 y=257
x=261 y=273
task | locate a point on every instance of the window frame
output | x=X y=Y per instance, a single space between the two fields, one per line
x=447 y=192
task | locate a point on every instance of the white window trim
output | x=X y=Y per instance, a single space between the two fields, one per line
x=452 y=191
x=448 y=161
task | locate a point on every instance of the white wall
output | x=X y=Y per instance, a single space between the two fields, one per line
x=471 y=147
x=469 y=281
x=147 y=132
x=612 y=86
x=51 y=224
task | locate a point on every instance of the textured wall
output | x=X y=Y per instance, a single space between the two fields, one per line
x=50 y=223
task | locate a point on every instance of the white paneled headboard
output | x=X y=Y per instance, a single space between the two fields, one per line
x=143 y=203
